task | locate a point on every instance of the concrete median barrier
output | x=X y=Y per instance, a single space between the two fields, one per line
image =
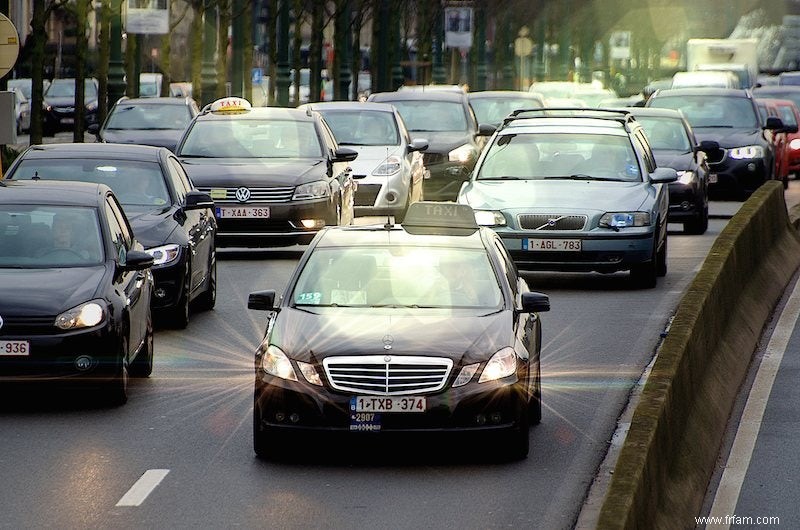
x=674 y=439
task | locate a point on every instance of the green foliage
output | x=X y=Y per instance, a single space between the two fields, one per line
x=8 y=155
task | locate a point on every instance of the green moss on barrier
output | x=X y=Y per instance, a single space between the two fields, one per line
x=675 y=434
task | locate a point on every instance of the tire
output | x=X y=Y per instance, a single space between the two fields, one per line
x=178 y=316
x=535 y=404
x=645 y=275
x=518 y=438
x=699 y=225
x=115 y=391
x=208 y=298
x=661 y=259
x=267 y=445
x=142 y=366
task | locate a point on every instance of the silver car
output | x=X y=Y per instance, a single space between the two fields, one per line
x=389 y=169
x=574 y=190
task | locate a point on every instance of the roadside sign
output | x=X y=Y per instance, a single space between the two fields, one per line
x=9 y=45
x=257 y=75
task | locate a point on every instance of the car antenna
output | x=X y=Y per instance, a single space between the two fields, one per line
x=35 y=175
x=389 y=224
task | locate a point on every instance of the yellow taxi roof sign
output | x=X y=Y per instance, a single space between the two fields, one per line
x=230 y=104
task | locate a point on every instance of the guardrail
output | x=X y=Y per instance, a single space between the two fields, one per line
x=676 y=431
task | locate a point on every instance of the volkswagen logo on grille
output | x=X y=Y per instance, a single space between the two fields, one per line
x=242 y=194
x=1 y=322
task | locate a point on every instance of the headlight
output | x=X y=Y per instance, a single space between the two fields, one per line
x=502 y=364
x=747 y=152
x=685 y=177
x=391 y=166
x=310 y=373
x=795 y=144
x=462 y=154
x=489 y=218
x=465 y=375
x=83 y=316
x=312 y=190
x=164 y=254
x=623 y=219
x=275 y=362
x=91 y=106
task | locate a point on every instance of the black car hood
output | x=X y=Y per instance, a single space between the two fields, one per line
x=152 y=228
x=461 y=335
x=677 y=160
x=230 y=172
x=158 y=137
x=47 y=292
x=728 y=138
x=444 y=142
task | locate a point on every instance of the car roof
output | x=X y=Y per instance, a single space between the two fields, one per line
x=499 y=94
x=258 y=113
x=570 y=120
x=349 y=105
x=419 y=95
x=703 y=91
x=154 y=101
x=395 y=235
x=96 y=150
x=51 y=192
x=656 y=112
x=775 y=89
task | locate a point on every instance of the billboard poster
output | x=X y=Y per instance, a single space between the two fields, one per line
x=458 y=27
x=147 y=16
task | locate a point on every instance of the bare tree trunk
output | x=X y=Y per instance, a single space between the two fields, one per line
x=196 y=45
x=81 y=8
x=104 y=57
x=297 y=44
x=315 y=51
x=224 y=18
x=272 y=36
x=39 y=37
x=247 y=53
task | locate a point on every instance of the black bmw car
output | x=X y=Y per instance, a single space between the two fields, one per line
x=75 y=288
x=277 y=176
x=388 y=328
x=173 y=220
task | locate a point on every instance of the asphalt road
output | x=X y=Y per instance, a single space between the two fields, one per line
x=67 y=464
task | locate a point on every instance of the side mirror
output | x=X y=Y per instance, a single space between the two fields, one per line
x=137 y=260
x=197 y=200
x=774 y=124
x=418 y=144
x=534 y=302
x=708 y=146
x=345 y=154
x=262 y=300
x=484 y=129
x=94 y=129
x=662 y=175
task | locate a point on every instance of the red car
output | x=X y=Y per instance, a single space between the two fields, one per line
x=790 y=115
x=778 y=137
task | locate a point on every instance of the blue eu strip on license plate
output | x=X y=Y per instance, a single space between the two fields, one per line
x=363 y=421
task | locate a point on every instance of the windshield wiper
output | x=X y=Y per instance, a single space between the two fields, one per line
x=581 y=176
x=353 y=143
x=415 y=306
x=502 y=177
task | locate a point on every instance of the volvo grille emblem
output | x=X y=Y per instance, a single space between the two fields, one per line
x=552 y=222
x=242 y=194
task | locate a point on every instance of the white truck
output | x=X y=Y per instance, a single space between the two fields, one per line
x=739 y=56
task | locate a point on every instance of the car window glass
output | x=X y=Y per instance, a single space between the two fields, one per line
x=418 y=277
x=643 y=147
x=138 y=185
x=492 y=111
x=711 y=111
x=180 y=181
x=362 y=127
x=433 y=116
x=148 y=117
x=116 y=211
x=250 y=138
x=665 y=133
x=48 y=236
x=507 y=266
x=787 y=115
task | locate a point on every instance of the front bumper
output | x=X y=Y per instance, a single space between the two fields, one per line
x=381 y=195
x=738 y=175
x=445 y=179
x=291 y=406
x=686 y=201
x=600 y=252
x=282 y=228
x=169 y=283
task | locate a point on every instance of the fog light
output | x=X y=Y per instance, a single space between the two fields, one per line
x=480 y=419
x=280 y=416
x=496 y=417
x=312 y=223
x=391 y=197
x=160 y=293
x=294 y=417
x=751 y=167
x=83 y=363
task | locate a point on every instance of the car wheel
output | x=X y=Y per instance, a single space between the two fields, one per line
x=116 y=390
x=142 y=365
x=699 y=225
x=518 y=438
x=535 y=404
x=785 y=182
x=267 y=444
x=178 y=316
x=208 y=298
x=645 y=275
x=661 y=259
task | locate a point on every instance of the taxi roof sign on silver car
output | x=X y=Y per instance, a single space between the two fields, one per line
x=444 y=218
x=228 y=105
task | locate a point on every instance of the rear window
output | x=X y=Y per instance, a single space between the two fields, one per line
x=711 y=111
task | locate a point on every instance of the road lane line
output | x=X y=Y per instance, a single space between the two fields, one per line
x=730 y=485
x=143 y=487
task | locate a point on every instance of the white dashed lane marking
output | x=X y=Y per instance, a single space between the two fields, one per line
x=143 y=487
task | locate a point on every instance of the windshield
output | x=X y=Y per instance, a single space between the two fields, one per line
x=66 y=88
x=136 y=184
x=665 y=133
x=492 y=111
x=434 y=116
x=149 y=117
x=404 y=276
x=247 y=138
x=36 y=237
x=712 y=111
x=560 y=155
x=362 y=127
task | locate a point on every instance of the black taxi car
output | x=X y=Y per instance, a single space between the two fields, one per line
x=389 y=328
x=75 y=288
x=276 y=175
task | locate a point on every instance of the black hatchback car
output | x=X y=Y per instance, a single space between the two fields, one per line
x=173 y=220
x=75 y=288
x=742 y=157
x=276 y=175
x=455 y=139
x=59 y=105
x=412 y=328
